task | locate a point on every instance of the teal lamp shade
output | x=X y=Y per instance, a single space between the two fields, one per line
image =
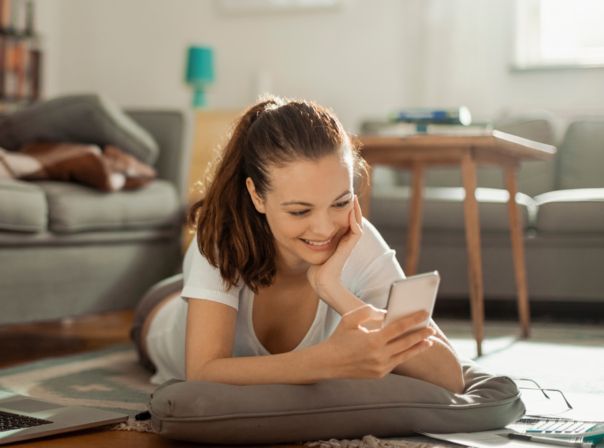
x=200 y=72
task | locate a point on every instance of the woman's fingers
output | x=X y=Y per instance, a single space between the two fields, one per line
x=401 y=325
x=358 y=316
x=350 y=238
x=409 y=353
x=356 y=217
x=363 y=353
x=358 y=213
x=409 y=340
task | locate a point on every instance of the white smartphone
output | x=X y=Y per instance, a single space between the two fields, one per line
x=412 y=294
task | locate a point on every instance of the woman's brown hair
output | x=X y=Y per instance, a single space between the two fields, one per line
x=232 y=235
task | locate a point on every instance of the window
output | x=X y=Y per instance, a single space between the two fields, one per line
x=559 y=33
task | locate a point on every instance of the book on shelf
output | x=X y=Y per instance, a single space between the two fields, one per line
x=20 y=55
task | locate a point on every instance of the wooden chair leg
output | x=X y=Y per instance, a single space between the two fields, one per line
x=414 y=233
x=517 y=236
x=472 y=226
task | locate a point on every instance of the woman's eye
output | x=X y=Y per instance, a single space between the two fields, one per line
x=300 y=213
x=304 y=212
x=342 y=204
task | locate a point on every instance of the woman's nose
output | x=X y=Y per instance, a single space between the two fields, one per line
x=323 y=226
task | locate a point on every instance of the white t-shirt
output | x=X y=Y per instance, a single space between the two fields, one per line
x=368 y=273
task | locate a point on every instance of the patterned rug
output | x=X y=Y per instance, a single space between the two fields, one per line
x=565 y=357
x=109 y=379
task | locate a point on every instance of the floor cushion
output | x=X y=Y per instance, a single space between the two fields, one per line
x=396 y=405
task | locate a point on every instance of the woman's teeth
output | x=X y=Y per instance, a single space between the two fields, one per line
x=317 y=243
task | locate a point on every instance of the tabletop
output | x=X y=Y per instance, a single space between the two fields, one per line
x=488 y=147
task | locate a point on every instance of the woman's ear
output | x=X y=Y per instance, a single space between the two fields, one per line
x=256 y=199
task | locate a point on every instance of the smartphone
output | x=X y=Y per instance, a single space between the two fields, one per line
x=412 y=294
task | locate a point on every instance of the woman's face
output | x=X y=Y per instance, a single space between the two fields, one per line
x=307 y=209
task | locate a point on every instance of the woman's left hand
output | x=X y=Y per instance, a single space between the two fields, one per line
x=326 y=277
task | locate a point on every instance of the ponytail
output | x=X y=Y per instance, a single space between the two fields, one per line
x=231 y=234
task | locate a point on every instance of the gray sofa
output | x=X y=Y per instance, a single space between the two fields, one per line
x=66 y=249
x=562 y=207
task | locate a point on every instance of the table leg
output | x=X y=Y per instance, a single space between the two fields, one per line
x=365 y=194
x=414 y=233
x=472 y=225
x=516 y=234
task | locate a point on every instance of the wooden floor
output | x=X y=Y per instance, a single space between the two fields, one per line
x=28 y=342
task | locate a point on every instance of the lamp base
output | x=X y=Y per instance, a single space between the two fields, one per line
x=199 y=98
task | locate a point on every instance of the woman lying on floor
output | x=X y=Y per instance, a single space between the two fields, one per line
x=286 y=281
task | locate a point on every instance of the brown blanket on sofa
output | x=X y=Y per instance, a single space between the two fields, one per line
x=109 y=169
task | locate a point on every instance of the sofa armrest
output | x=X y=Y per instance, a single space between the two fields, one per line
x=170 y=128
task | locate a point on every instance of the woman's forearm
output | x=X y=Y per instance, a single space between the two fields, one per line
x=438 y=365
x=341 y=299
x=305 y=366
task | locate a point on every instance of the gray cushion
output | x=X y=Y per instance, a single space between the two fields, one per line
x=537 y=126
x=22 y=207
x=443 y=208
x=79 y=118
x=581 y=155
x=170 y=129
x=76 y=208
x=207 y=412
x=577 y=210
x=534 y=177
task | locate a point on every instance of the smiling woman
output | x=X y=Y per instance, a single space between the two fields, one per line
x=286 y=280
x=313 y=217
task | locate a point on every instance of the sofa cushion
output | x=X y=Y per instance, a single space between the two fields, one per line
x=22 y=207
x=581 y=155
x=534 y=177
x=78 y=118
x=577 y=210
x=75 y=208
x=443 y=208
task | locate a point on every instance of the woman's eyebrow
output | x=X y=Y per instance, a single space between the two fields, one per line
x=310 y=205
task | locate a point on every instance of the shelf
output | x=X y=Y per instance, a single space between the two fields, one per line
x=20 y=55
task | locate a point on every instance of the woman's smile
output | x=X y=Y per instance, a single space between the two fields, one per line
x=318 y=245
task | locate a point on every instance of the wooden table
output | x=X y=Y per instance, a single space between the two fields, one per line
x=416 y=152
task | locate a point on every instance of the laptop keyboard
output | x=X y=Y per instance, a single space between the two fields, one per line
x=9 y=421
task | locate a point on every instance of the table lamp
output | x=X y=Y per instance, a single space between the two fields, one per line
x=200 y=72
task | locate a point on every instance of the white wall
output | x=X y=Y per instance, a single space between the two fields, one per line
x=468 y=54
x=352 y=59
x=364 y=59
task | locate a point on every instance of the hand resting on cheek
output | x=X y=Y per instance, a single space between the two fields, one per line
x=325 y=278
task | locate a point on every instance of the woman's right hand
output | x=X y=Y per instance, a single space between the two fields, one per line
x=358 y=352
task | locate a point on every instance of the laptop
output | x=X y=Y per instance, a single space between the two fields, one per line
x=24 y=418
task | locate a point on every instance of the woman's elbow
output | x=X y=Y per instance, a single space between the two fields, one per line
x=196 y=371
x=455 y=382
